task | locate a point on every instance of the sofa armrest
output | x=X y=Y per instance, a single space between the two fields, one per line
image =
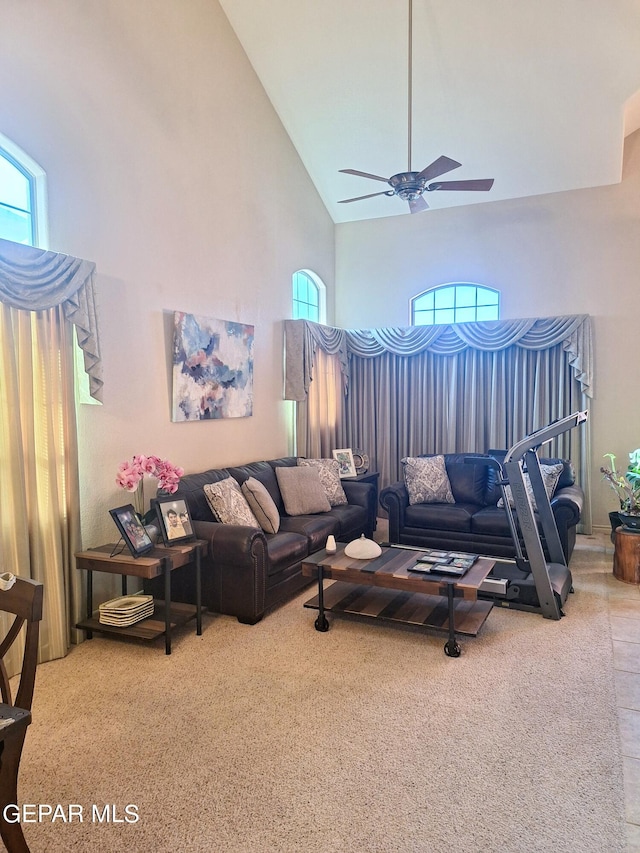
x=395 y=499
x=364 y=495
x=567 y=503
x=235 y=571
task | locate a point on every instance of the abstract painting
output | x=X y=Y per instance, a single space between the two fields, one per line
x=212 y=369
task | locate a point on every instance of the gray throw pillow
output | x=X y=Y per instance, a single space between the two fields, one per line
x=302 y=490
x=262 y=504
x=329 y=471
x=427 y=480
x=228 y=504
x=550 y=477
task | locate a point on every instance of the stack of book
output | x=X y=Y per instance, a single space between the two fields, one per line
x=126 y=610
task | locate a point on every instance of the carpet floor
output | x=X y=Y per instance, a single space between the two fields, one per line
x=278 y=738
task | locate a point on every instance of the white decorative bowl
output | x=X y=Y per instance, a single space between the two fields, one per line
x=363 y=549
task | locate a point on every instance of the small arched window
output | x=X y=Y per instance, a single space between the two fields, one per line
x=23 y=217
x=460 y=302
x=309 y=301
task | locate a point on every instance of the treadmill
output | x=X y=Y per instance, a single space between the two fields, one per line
x=530 y=582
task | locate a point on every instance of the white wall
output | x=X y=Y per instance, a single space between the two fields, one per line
x=168 y=167
x=565 y=253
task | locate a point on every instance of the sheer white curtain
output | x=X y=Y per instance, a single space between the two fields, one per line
x=42 y=296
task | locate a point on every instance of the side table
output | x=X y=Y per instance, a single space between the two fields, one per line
x=369 y=477
x=626 y=556
x=159 y=561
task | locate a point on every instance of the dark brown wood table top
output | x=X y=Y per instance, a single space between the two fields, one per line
x=392 y=570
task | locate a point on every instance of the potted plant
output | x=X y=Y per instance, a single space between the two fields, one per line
x=627 y=489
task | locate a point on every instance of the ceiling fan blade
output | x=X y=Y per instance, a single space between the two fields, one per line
x=417 y=205
x=367 y=175
x=438 y=167
x=360 y=197
x=480 y=185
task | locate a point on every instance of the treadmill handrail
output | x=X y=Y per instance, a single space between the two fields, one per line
x=543 y=435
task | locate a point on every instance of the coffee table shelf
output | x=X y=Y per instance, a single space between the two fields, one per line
x=410 y=608
x=386 y=588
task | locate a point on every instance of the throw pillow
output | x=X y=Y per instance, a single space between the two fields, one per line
x=329 y=471
x=228 y=504
x=427 y=480
x=550 y=477
x=261 y=504
x=302 y=490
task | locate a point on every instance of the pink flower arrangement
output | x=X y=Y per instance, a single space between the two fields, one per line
x=131 y=476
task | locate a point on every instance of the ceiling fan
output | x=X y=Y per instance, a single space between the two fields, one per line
x=410 y=185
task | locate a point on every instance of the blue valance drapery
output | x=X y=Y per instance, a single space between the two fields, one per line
x=302 y=337
x=34 y=279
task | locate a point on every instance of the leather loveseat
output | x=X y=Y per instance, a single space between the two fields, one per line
x=246 y=570
x=475 y=523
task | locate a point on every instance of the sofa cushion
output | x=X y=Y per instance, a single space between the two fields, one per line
x=228 y=504
x=490 y=521
x=468 y=481
x=191 y=489
x=315 y=527
x=441 y=516
x=264 y=473
x=302 y=491
x=329 y=471
x=494 y=493
x=262 y=505
x=427 y=480
x=350 y=520
x=285 y=549
x=550 y=476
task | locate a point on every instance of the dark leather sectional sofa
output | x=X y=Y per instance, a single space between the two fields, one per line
x=474 y=523
x=248 y=571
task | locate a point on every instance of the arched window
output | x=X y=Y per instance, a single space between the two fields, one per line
x=460 y=302
x=309 y=301
x=23 y=217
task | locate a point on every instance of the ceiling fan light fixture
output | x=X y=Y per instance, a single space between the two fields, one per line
x=410 y=186
x=407 y=185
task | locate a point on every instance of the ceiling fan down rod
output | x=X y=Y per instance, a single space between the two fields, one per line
x=410 y=82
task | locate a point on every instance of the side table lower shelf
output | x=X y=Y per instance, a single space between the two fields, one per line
x=147 y=629
x=159 y=562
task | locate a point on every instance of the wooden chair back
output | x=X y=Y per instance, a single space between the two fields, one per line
x=24 y=600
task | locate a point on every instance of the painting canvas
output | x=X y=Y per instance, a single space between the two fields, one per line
x=212 y=369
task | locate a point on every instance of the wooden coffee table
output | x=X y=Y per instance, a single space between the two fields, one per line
x=385 y=588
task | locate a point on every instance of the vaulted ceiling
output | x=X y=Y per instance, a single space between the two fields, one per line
x=537 y=95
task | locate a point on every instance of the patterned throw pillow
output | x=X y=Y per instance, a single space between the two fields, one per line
x=228 y=504
x=261 y=504
x=427 y=480
x=302 y=490
x=550 y=477
x=329 y=472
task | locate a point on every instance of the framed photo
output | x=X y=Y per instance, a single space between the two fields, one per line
x=174 y=520
x=131 y=530
x=345 y=462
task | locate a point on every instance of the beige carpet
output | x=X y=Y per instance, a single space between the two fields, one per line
x=367 y=739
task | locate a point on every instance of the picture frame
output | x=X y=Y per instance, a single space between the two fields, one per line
x=346 y=463
x=132 y=531
x=174 y=520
